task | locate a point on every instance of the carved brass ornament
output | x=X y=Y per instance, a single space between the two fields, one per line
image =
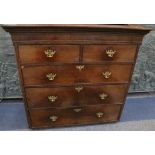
x=53 y=118
x=77 y=110
x=52 y=98
x=103 y=96
x=106 y=74
x=99 y=114
x=51 y=76
x=79 y=89
x=80 y=67
x=50 y=53
x=110 y=52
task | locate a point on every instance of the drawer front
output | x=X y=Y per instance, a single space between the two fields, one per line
x=48 y=54
x=51 y=97
x=115 y=53
x=73 y=96
x=74 y=116
x=69 y=74
x=106 y=94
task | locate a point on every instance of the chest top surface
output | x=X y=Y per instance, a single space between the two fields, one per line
x=91 y=27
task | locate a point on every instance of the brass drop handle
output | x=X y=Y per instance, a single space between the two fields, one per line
x=80 y=67
x=51 y=76
x=49 y=53
x=53 y=118
x=99 y=114
x=79 y=89
x=52 y=98
x=103 y=96
x=106 y=75
x=110 y=53
x=77 y=110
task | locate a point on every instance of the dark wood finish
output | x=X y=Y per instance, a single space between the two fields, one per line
x=97 y=53
x=75 y=45
x=90 y=95
x=38 y=97
x=68 y=74
x=35 y=53
x=40 y=118
x=131 y=28
x=76 y=38
x=68 y=96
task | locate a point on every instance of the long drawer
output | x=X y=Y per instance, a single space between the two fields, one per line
x=80 y=95
x=71 y=74
x=73 y=116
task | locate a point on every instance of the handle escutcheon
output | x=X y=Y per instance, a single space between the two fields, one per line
x=103 y=96
x=99 y=114
x=80 y=67
x=106 y=75
x=79 y=89
x=49 y=53
x=52 y=98
x=77 y=110
x=53 y=118
x=110 y=53
x=51 y=76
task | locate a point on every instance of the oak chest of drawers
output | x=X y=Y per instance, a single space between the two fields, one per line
x=75 y=74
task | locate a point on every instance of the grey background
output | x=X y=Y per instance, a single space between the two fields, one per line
x=143 y=79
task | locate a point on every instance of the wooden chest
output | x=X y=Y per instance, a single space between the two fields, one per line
x=75 y=74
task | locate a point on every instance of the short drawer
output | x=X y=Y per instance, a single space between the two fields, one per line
x=74 y=116
x=72 y=96
x=114 y=53
x=70 y=74
x=48 y=53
